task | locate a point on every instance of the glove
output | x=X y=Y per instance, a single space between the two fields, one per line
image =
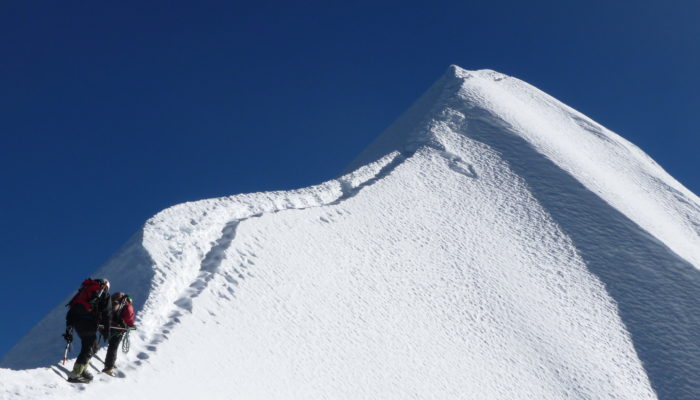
x=68 y=335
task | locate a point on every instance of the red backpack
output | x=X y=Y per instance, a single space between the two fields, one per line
x=89 y=293
x=122 y=310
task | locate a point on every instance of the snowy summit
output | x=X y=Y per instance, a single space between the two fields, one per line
x=493 y=243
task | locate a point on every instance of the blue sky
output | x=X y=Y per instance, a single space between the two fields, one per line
x=112 y=112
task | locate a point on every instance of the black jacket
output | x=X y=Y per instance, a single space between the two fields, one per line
x=100 y=315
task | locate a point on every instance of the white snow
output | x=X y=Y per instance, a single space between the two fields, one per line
x=492 y=244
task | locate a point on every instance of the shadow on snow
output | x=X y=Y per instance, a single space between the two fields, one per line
x=657 y=292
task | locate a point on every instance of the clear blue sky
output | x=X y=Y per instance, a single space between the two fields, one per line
x=112 y=112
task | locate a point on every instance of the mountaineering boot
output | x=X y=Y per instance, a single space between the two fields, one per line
x=76 y=376
x=86 y=375
x=109 y=371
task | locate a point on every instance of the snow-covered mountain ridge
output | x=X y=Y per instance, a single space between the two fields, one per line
x=492 y=243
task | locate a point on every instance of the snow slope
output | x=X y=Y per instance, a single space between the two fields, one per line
x=492 y=244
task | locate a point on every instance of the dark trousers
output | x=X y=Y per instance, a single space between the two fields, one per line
x=113 y=349
x=87 y=331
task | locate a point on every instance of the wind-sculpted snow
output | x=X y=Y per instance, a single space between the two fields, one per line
x=656 y=291
x=493 y=244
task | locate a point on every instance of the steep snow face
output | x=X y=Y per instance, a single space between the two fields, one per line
x=493 y=243
x=489 y=106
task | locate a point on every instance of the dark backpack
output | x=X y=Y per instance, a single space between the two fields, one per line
x=118 y=308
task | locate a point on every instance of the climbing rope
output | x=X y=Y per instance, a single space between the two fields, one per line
x=126 y=344
x=116 y=331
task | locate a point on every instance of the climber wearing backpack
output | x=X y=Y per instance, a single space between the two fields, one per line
x=122 y=319
x=88 y=308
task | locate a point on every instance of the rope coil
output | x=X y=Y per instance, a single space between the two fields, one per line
x=126 y=344
x=116 y=331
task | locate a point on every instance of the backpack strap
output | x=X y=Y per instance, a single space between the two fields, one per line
x=120 y=310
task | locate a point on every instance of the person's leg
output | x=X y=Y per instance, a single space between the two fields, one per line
x=87 y=331
x=112 y=351
x=88 y=337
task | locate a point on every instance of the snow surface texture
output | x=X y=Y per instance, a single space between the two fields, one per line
x=492 y=244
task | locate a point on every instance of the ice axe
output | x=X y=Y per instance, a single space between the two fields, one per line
x=69 y=343
x=65 y=353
